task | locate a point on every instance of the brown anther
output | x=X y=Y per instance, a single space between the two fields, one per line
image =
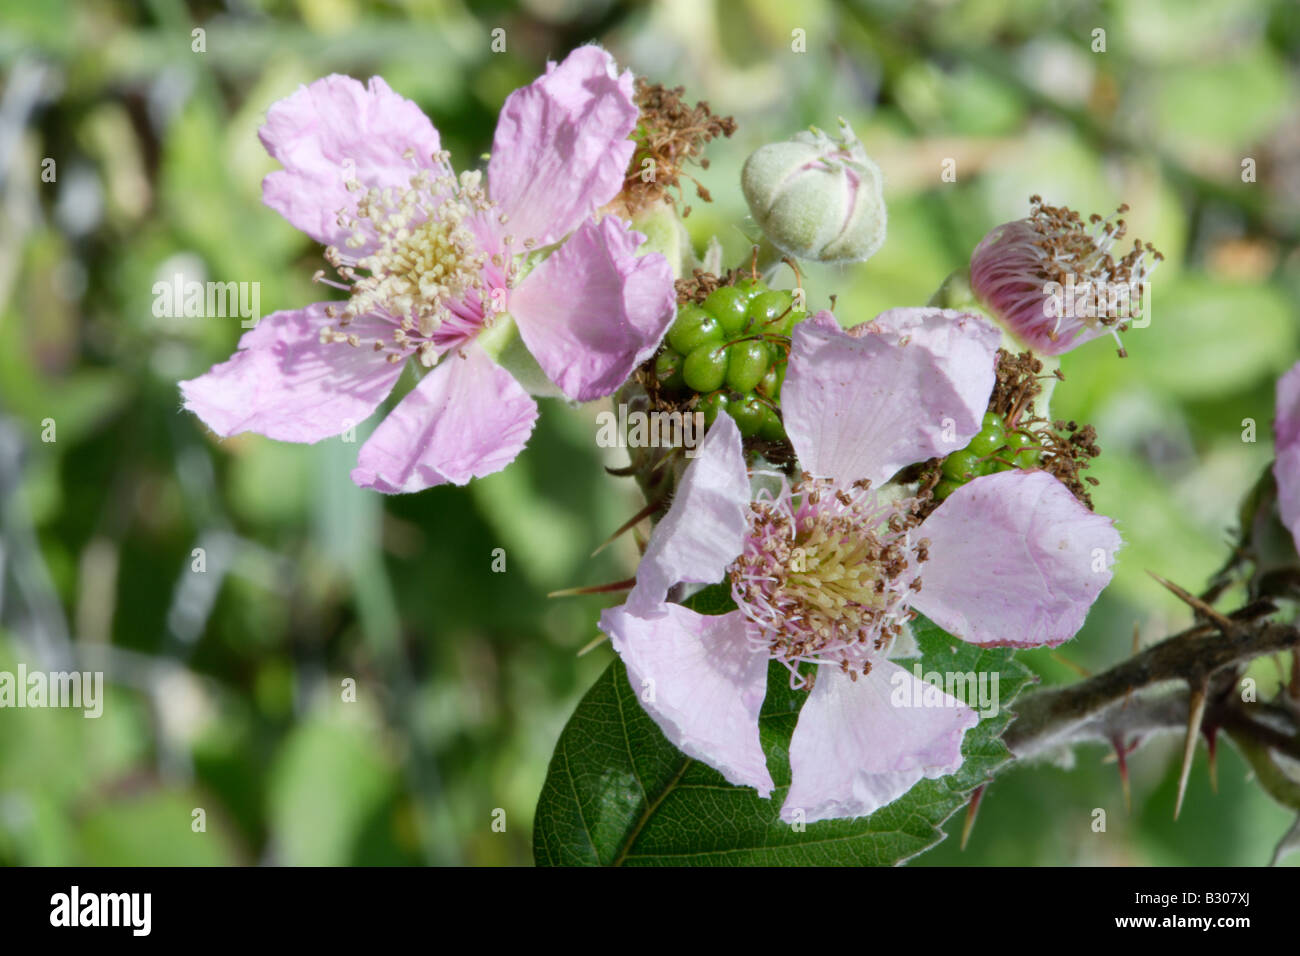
x=670 y=134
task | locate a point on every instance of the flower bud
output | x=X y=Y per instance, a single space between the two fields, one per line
x=816 y=197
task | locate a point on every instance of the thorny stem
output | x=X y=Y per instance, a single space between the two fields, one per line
x=1122 y=702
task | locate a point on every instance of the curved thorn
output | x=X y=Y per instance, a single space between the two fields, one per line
x=630 y=523
x=1191 y=600
x=623 y=585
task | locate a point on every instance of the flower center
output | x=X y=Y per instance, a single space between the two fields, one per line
x=414 y=259
x=827 y=572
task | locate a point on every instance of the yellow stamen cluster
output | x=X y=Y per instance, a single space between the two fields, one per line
x=421 y=258
x=828 y=574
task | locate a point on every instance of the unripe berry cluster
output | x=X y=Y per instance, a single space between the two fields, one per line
x=993 y=449
x=732 y=349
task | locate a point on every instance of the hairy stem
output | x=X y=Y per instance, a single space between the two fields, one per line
x=1127 y=703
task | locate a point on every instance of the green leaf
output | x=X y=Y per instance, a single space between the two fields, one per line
x=618 y=793
x=715 y=599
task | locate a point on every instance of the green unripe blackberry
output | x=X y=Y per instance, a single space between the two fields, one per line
x=705 y=368
x=1023 y=450
x=713 y=405
x=987 y=442
x=767 y=307
x=944 y=488
x=772 y=429
x=728 y=305
x=784 y=325
x=750 y=286
x=748 y=414
x=692 y=328
x=747 y=361
x=961 y=466
x=668 y=370
x=773 y=379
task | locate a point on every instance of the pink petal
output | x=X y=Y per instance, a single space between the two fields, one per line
x=467 y=418
x=704 y=530
x=561 y=147
x=702 y=682
x=910 y=385
x=1015 y=560
x=594 y=310
x=861 y=744
x=1286 y=432
x=336 y=121
x=1286 y=471
x=285 y=384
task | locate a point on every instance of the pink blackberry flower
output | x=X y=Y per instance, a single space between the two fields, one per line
x=1286 y=435
x=432 y=261
x=1053 y=282
x=828 y=572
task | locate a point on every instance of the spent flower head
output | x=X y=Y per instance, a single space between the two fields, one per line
x=1055 y=281
x=670 y=136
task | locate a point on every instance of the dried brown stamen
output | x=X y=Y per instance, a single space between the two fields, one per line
x=670 y=134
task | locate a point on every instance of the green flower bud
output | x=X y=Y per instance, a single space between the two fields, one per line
x=816 y=197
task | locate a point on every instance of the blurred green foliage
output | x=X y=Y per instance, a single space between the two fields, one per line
x=226 y=687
